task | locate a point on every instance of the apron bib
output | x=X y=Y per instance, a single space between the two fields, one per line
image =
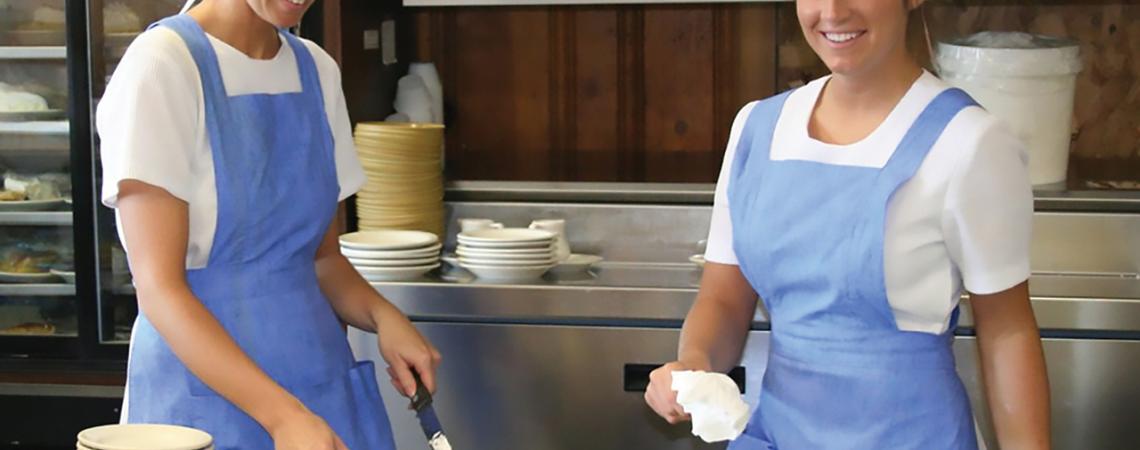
x=275 y=173
x=809 y=238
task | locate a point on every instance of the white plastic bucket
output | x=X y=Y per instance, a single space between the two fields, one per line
x=1029 y=82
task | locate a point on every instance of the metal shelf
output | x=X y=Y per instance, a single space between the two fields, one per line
x=21 y=52
x=52 y=128
x=60 y=218
x=58 y=290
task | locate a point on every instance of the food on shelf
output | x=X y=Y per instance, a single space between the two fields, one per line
x=30 y=328
x=46 y=186
x=12 y=196
x=17 y=260
x=14 y=100
x=47 y=18
x=119 y=18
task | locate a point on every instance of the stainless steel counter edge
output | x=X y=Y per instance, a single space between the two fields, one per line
x=702 y=193
x=668 y=307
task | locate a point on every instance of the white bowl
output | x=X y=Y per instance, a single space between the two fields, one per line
x=388 y=240
x=391 y=254
x=144 y=437
x=393 y=262
x=507 y=273
x=507 y=262
x=377 y=274
x=505 y=235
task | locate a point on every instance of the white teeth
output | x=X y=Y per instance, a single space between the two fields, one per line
x=297 y=2
x=840 y=37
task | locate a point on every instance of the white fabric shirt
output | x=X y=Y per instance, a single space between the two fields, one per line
x=963 y=220
x=152 y=122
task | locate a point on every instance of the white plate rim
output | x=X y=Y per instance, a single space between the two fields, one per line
x=393 y=262
x=393 y=254
x=478 y=235
x=30 y=205
x=415 y=240
x=396 y=270
x=204 y=442
x=507 y=245
x=507 y=263
x=15 y=277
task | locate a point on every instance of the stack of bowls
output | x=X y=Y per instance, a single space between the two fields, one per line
x=391 y=255
x=143 y=437
x=507 y=254
x=404 y=166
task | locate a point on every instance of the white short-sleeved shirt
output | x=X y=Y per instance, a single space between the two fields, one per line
x=151 y=121
x=963 y=220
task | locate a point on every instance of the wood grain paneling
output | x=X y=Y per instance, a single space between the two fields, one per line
x=605 y=93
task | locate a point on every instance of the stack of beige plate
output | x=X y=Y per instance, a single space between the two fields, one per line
x=391 y=255
x=507 y=254
x=405 y=176
x=144 y=437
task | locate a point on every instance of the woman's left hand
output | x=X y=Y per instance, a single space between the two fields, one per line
x=405 y=350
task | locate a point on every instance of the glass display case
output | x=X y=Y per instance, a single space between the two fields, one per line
x=38 y=302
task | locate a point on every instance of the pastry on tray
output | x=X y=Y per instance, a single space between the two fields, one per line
x=12 y=196
x=28 y=262
x=30 y=329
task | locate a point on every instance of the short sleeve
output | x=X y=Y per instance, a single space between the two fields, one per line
x=350 y=174
x=720 y=242
x=148 y=117
x=988 y=215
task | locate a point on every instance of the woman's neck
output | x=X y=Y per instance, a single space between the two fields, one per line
x=233 y=22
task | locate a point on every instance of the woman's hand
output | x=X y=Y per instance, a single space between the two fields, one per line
x=303 y=430
x=660 y=394
x=405 y=350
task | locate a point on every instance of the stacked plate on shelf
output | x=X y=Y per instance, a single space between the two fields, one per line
x=391 y=255
x=507 y=254
x=404 y=166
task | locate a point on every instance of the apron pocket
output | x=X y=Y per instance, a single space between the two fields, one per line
x=749 y=442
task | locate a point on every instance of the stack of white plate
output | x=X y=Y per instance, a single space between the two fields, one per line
x=144 y=437
x=507 y=254
x=391 y=255
x=405 y=176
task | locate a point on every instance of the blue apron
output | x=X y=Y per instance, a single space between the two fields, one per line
x=809 y=238
x=277 y=194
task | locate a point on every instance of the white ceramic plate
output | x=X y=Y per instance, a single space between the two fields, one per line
x=391 y=254
x=394 y=262
x=144 y=437
x=395 y=273
x=68 y=277
x=578 y=262
x=501 y=273
x=507 y=262
x=505 y=235
x=31 y=205
x=388 y=240
x=26 y=278
x=544 y=255
x=539 y=245
x=461 y=248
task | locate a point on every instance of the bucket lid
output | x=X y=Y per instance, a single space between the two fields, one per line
x=1009 y=54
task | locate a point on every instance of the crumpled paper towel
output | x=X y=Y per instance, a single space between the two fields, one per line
x=713 y=400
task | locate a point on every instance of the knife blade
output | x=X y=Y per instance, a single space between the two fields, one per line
x=425 y=412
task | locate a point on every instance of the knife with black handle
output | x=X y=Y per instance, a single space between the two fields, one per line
x=429 y=422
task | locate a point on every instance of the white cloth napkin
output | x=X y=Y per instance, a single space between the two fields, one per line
x=713 y=400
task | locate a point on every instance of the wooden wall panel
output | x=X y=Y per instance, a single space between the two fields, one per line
x=605 y=93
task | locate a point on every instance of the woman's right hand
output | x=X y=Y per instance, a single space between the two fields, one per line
x=304 y=430
x=660 y=394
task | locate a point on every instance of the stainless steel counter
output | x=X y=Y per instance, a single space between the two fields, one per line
x=558 y=363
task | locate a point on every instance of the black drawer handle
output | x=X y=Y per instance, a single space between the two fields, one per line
x=636 y=376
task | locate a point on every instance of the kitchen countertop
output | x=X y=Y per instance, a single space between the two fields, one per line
x=625 y=294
